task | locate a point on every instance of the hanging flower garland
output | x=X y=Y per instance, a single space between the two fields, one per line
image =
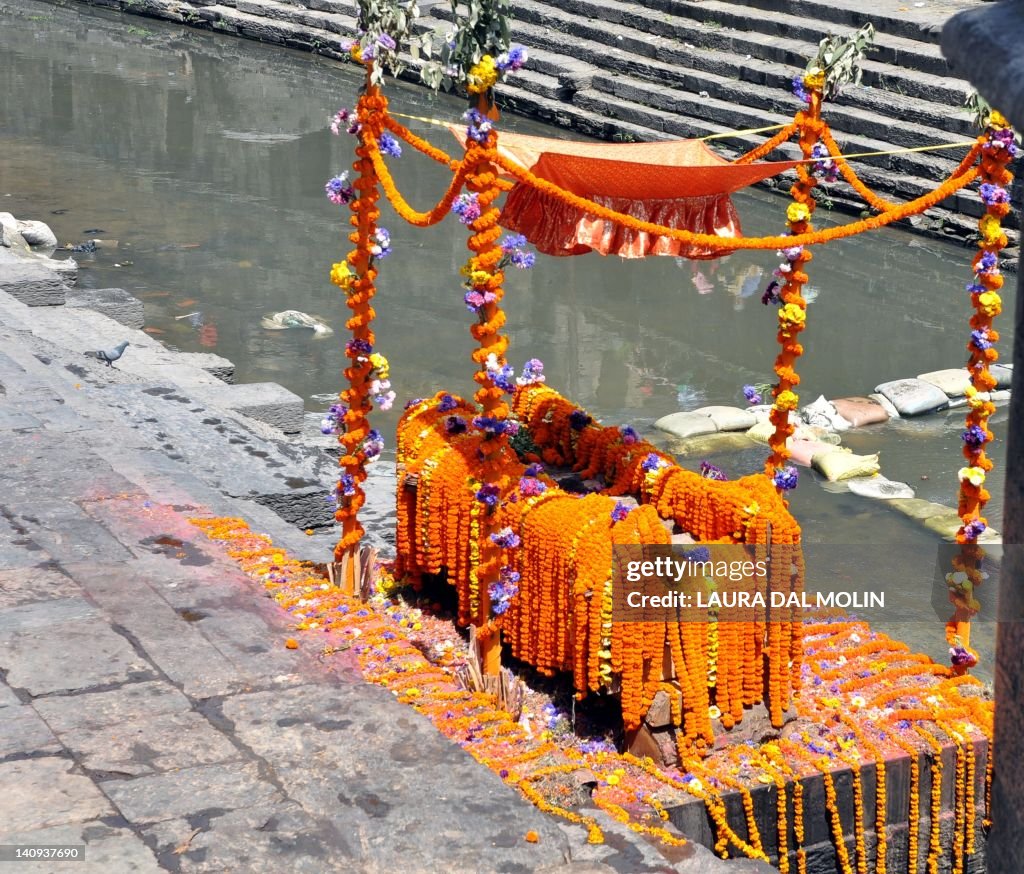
x=785 y=290
x=997 y=151
x=368 y=372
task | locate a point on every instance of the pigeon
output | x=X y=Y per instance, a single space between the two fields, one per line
x=109 y=355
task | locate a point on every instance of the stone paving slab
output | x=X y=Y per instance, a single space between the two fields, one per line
x=23 y=733
x=27 y=585
x=92 y=710
x=46 y=792
x=109 y=849
x=62 y=646
x=190 y=791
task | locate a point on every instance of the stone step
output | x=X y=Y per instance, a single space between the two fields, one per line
x=277 y=30
x=924 y=27
x=342 y=22
x=737 y=110
x=639 y=32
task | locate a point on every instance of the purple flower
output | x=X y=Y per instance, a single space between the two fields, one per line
x=503 y=591
x=959 y=656
x=791 y=253
x=467 y=208
x=381 y=247
x=752 y=395
x=974 y=436
x=386 y=42
x=511 y=242
x=512 y=60
x=495 y=427
x=578 y=420
x=506 y=538
x=338 y=190
x=347 y=485
x=534 y=470
x=651 y=463
x=354 y=348
x=479 y=125
x=388 y=145
x=530 y=487
x=502 y=376
x=447 y=403
x=799 y=91
x=533 y=372
x=786 y=478
x=455 y=425
x=980 y=340
x=974 y=529
x=629 y=435
x=903 y=724
x=488 y=495
x=975 y=288
x=988 y=264
x=712 y=471
x=413 y=402
x=620 y=511
x=993 y=194
x=771 y=293
x=332 y=422
x=523 y=260
x=373 y=444
x=338 y=119
x=699 y=555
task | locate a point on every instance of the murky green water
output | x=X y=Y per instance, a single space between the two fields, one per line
x=205 y=158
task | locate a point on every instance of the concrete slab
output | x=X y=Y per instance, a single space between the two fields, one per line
x=45 y=792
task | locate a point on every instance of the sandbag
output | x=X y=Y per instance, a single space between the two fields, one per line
x=953 y=381
x=885 y=404
x=841 y=464
x=879 y=487
x=729 y=418
x=1003 y=374
x=918 y=508
x=860 y=411
x=761 y=432
x=686 y=424
x=822 y=414
x=802 y=452
x=704 y=445
x=913 y=397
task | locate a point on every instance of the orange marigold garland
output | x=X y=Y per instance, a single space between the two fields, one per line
x=367 y=372
x=997 y=150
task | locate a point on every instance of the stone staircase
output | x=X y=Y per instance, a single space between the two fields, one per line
x=688 y=68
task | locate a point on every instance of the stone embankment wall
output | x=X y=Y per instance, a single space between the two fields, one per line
x=689 y=68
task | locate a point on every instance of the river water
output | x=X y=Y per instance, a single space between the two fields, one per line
x=205 y=156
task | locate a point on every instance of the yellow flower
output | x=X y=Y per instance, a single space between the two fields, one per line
x=380 y=364
x=482 y=76
x=793 y=314
x=997 y=120
x=479 y=277
x=612 y=780
x=342 y=276
x=974 y=475
x=991 y=303
x=787 y=400
x=815 y=79
x=990 y=228
x=797 y=212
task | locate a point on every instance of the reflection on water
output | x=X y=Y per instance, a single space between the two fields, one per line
x=204 y=158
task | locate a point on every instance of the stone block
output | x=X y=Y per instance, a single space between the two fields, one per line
x=108 y=848
x=1003 y=374
x=215 y=365
x=92 y=710
x=913 y=397
x=38 y=234
x=116 y=303
x=33 y=284
x=918 y=508
x=264 y=401
x=23 y=733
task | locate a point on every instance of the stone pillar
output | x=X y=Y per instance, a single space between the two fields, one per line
x=984 y=45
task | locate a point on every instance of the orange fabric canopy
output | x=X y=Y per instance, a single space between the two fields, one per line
x=676 y=183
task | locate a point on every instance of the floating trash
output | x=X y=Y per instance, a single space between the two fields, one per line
x=295 y=319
